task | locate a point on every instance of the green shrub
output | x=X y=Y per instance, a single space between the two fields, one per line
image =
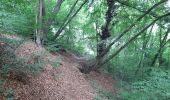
x=56 y=63
x=102 y=93
x=9 y=93
x=155 y=87
x=52 y=46
x=19 y=68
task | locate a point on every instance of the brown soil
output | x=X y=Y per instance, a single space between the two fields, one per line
x=65 y=82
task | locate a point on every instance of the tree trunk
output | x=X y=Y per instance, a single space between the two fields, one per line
x=133 y=25
x=101 y=45
x=144 y=47
x=40 y=35
x=124 y=45
x=43 y=25
x=161 y=49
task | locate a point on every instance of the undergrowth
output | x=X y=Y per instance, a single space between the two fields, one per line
x=20 y=69
x=8 y=92
x=149 y=83
x=10 y=64
x=154 y=87
x=102 y=93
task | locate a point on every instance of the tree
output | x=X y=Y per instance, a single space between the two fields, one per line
x=95 y=65
x=162 y=45
x=40 y=35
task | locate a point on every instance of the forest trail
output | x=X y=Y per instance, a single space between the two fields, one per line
x=65 y=82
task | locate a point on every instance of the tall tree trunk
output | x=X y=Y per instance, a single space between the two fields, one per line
x=97 y=64
x=43 y=25
x=122 y=47
x=40 y=23
x=133 y=38
x=161 y=49
x=144 y=47
x=104 y=35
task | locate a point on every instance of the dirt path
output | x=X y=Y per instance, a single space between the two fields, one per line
x=103 y=81
x=63 y=83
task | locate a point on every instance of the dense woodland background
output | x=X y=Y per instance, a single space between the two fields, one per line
x=127 y=39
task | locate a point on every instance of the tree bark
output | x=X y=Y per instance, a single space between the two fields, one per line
x=40 y=21
x=101 y=45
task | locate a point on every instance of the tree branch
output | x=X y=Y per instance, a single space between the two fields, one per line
x=143 y=11
x=54 y=12
x=133 y=38
x=66 y=18
x=131 y=26
x=59 y=31
x=57 y=6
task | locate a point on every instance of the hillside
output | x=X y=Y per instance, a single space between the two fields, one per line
x=84 y=49
x=61 y=82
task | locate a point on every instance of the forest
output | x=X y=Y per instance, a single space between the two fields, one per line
x=84 y=49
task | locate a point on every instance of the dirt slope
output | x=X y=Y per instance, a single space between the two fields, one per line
x=63 y=83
